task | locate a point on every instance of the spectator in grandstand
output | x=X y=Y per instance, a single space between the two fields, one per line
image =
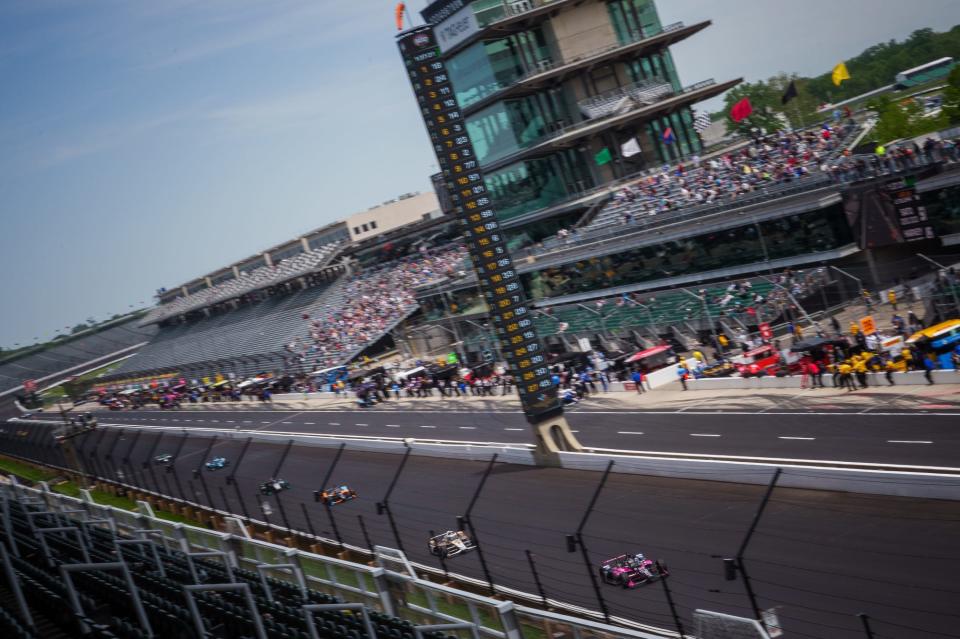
x=373 y=302
x=775 y=159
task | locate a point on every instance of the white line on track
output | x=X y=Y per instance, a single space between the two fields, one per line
x=723 y=412
x=467 y=427
x=629 y=432
x=428 y=427
x=393 y=425
x=360 y=424
x=260 y=422
x=908 y=441
x=308 y=423
x=331 y=423
x=799 y=438
x=512 y=429
x=704 y=435
x=286 y=422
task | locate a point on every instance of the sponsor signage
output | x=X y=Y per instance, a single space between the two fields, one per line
x=867 y=325
x=457 y=28
x=437 y=12
x=498 y=279
x=911 y=215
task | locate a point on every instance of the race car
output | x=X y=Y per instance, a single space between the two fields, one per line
x=631 y=571
x=335 y=495
x=274 y=486
x=450 y=544
x=217 y=463
x=164 y=459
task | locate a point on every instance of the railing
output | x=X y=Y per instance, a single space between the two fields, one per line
x=543 y=66
x=643 y=92
x=599 y=236
x=391 y=586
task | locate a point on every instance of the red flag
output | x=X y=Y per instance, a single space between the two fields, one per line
x=401 y=7
x=741 y=110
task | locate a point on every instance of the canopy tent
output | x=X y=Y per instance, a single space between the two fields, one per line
x=650 y=352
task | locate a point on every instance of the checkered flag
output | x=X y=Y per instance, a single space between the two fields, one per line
x=701 y=121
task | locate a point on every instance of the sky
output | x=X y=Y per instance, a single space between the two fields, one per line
x=145 y=143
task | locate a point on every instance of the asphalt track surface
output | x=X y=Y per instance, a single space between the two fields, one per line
x=821 y=557
x=883 y=437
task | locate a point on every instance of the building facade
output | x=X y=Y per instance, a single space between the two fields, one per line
x=404 y=210
x=563 y=96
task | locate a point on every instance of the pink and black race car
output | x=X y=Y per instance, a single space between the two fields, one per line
x=631 y=571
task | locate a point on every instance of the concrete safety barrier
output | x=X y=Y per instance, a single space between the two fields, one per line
x=824 y=477
x=912 y=378
x=875 y=479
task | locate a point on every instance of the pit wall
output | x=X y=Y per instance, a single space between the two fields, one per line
x=886 y=480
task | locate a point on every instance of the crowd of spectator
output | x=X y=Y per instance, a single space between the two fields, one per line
x=371 y=303
x=768 y=160
x=906 y=155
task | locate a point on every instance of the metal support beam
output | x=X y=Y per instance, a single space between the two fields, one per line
x=294 y=570
x=308 y=611
x=67 y=570
x=244 y=590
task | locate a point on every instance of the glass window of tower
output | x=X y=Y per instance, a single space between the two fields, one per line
x=535 y=184
x=633 y=19
x=486 y=67
x=795 y=235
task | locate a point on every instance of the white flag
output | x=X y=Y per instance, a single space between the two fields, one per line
x=630 y=147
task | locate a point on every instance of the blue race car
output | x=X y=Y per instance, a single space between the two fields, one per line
x=217 y=463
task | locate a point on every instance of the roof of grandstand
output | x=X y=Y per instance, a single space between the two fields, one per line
x=110 y=340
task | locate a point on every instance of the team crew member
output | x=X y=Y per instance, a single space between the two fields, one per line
x=860 y=368
x=846 y=379
x=889 y=368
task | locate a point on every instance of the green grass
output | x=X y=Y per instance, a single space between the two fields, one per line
x=69 y=488
x=24 y=471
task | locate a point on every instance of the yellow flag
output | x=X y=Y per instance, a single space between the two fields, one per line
x=840 y=74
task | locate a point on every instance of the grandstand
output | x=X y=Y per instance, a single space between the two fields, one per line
x=293 y=327
x=81 y=576
x=77 y=568
x=251 y=336
x=117 y=338
x=265 y=276
x=775 y=203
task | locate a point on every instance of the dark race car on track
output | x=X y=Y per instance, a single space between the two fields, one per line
x=274 y=486
x=335 y=495
x=631 y=571
x=450 y=544
x=217 y=463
